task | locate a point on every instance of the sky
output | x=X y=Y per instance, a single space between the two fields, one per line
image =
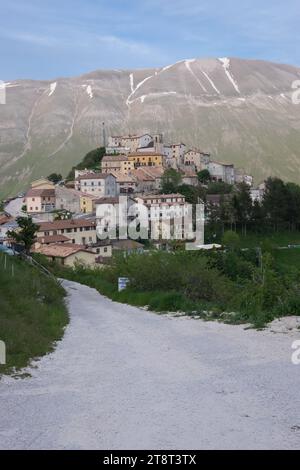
x=43 y=39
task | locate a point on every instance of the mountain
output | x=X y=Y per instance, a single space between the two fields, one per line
x=240 y=111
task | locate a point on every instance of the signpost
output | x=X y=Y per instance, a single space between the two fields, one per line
x=122 y=283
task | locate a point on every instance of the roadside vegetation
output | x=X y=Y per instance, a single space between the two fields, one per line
x=32 y=313
x=234 y=285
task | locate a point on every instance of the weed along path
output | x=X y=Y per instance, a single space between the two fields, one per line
x=126 y=378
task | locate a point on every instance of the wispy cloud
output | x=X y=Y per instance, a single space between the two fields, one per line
x=90 y=34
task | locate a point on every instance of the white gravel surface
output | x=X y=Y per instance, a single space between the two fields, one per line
x=127 y=378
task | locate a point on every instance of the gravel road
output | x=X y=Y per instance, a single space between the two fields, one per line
x=126 y=378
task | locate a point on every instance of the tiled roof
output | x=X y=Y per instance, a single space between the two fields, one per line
x=123 y=178
x=61 y=250
x=141 y=175
x=64 y=224
x=4 y=219
x=40 y=193
x=52 y=239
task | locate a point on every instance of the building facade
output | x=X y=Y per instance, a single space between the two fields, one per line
x=97 y=184
x=78 y=231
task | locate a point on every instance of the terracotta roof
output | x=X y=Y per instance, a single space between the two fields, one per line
x=40 y=193
x=123 y=178
x=64 y=224
x=61 y=250
x=52 y=239
x=141 y=175
x=155 y=171
x=4 y=219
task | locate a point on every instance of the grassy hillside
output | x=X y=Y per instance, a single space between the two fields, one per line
x=32 y=312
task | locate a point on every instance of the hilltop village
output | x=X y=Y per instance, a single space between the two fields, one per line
x=142 y=167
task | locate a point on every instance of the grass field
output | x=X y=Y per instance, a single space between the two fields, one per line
x=32 y=312
x=274 y=239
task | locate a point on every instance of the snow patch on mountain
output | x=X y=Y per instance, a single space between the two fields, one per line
x=90 y=91
x=135 y=89
x=9 y=85
x=189 y=68
x=226 y=66
x=211 y=82
x=155 y=95
x=131 y=82
x=52 y=88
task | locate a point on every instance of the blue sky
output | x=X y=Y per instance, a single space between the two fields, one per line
x=46 y=39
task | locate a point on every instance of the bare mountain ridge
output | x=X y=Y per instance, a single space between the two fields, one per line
x=239 y=110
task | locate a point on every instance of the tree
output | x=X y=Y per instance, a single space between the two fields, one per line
x=257 y=216
x=219 y=187
x=55 y=178
x=26 y=235
x=192 y=194
x=276 y=201
x=171 y=179
x=204 y=176
x=92 y=161
x=231 y=240
x=242 y=206
x=293 y=207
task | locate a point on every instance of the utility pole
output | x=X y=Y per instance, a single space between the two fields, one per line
x=103 y=134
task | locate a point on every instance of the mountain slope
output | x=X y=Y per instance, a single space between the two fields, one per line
x=239 y=110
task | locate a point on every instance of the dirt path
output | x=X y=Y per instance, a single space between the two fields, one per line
x=126 y=378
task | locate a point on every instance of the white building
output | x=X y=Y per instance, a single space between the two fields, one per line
x=222 y=172
x=97 y=184
x=257 y=194
x=78 y=231
x=131 y=142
